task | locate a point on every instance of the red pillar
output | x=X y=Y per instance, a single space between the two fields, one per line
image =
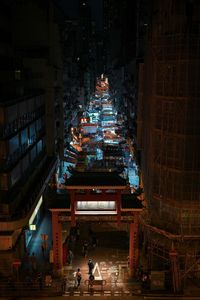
x=57 y=242
x=118 y=203
x=133 y=246
x=72 y=200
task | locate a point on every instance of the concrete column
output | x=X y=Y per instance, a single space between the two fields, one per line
x=133 y=246
x=57 y=242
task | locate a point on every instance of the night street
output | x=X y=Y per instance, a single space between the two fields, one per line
x=99 y=149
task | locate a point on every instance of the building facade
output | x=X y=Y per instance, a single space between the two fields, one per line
x=169 y=136
x=30 y=101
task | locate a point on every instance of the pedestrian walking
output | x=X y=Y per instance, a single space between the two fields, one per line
x=91 y=281
x=33 y=262
x=128 y=261
x=43 y=249
x=40 y=280
x=85 y=249
x=27 y=260
x=90 y=231
x=78 y=277
x=140 y=272
x=71 y=241
x=145 y=281
x=65 y=177
x=90 y=266
x=48 y=280
x=64 y=284
x=94 y=241
x=70 y=257
x=77 y=232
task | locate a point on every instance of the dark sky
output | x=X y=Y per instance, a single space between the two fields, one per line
x=71 y=9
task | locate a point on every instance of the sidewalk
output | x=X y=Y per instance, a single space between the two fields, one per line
x=110 y=256
x=42 y=261
x=110 y=261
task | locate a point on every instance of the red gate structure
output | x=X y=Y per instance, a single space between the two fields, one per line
x=97 y=196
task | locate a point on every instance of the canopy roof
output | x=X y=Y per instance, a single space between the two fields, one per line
x=96 y=179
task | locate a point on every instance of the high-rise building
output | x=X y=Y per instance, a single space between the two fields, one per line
x=30 y=101
x=37 y=43
x=169 y=135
